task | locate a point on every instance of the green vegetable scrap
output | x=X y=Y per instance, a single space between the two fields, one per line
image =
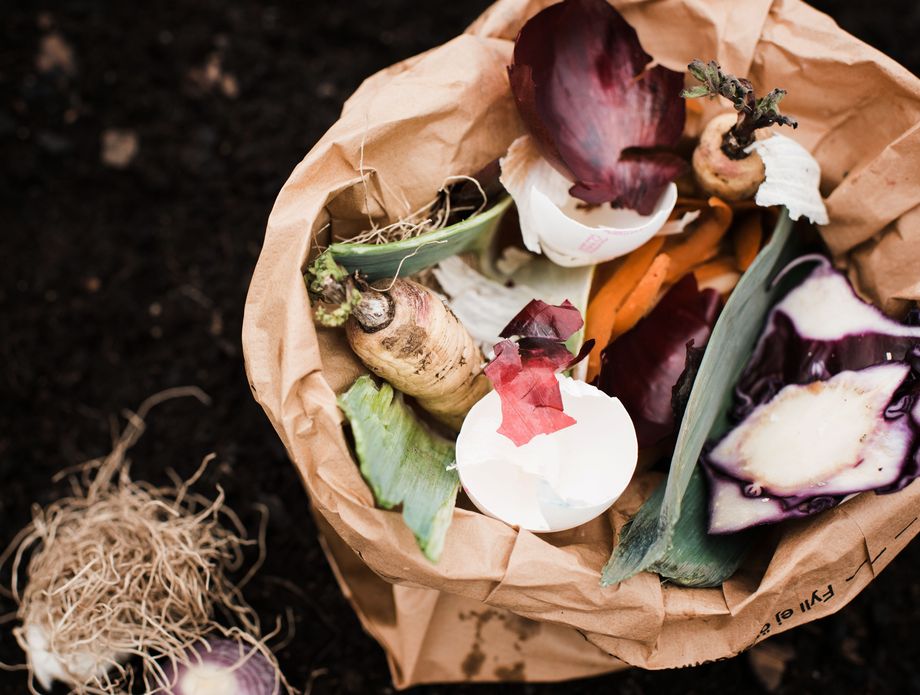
x=413 y=255
x=669 y=534
x=403 y=462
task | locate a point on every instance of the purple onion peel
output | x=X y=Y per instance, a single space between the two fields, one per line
x=222 y=667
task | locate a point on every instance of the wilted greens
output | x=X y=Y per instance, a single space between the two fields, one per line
x=402 y=461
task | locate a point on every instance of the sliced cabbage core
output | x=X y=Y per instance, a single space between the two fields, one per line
x=809 y=436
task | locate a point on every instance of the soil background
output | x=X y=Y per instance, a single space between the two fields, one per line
x=141 y=148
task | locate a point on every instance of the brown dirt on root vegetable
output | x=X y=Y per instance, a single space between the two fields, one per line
x=422 y=350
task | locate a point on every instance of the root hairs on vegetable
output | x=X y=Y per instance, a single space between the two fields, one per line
x=123 y=568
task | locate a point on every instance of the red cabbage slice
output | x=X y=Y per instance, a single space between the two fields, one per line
x=828 y=406
x=818 y=330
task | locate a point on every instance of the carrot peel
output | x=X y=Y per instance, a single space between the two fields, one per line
x=603 y=307
x=702 y=243
x=642 y=299
x=747 y=241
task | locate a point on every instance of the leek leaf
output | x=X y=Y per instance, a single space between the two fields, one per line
x=410 y=256
x=669 y=533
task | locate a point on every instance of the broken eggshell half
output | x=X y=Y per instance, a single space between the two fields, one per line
x=555 y=481
x=570 y=232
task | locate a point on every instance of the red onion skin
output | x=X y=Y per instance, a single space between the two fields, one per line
x=580 y=82
x=523 y=373
x=253 y=672
x=642 y=366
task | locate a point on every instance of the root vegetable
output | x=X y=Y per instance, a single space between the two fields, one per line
x=720 y=175
x=721 y=162
x=404 y=333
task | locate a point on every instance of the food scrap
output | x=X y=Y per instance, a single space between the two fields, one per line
x=836 y=383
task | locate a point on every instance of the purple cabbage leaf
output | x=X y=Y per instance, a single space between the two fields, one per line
x=826 y=407
x=644 y=365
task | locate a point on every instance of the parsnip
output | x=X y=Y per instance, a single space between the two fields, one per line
x=405 y=334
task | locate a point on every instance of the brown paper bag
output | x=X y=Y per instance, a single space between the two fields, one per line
x=506 y=604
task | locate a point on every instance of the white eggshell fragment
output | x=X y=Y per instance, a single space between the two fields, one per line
x=556 y=481
x=570 y=233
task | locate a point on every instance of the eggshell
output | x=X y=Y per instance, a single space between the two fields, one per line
x=556 y=481
x=570 y=233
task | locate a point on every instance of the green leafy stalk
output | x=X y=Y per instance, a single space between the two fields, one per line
x=669 y=534
x=403 y=462
x=693 y=558
x=753 y=113
x=330 y=283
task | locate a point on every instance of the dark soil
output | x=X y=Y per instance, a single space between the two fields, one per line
x=119 y=282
